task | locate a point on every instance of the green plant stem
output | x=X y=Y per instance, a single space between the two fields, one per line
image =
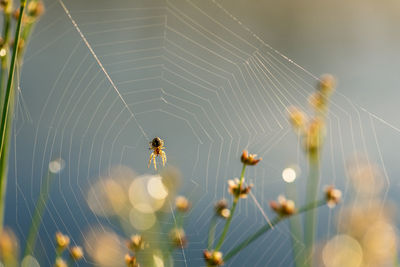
x=4 y=59
x=71 y=262
x=38 y=214
x=211 y=232
x=233 y=208
x=6 y=114
x=295 y=228
x=310 y=222
x=4 y=163
x=180 y=216
x=267 y=227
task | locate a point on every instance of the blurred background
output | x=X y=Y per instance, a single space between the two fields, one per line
x=206 y=78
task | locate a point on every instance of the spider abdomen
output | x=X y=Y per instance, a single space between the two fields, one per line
x=156 y=142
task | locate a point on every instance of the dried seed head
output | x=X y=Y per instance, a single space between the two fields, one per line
x=326 y=84
x=242 y=192
x=8 y=245
x=62 y=240
x=182 y=204
x=221 y=209
x=21 y=44
x=60 y=263
x=318 y=102
x=76 y=253
x=213 y=258
x=5 y=5
x=16 y=14
x=178 y=237
x=136 y=243
x=35 y=9
x=225 y=213
x=332 y=196
x=131 y=261
x=283 y=207
x=314 y=134
x=297 y=118
x=249 y=159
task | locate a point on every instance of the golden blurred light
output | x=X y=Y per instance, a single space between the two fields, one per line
x=289 y=175
x=8 y=247
x=141 y=221
x=105 y=248
x=109 y=196
x=379 y=243
x=156 y=188
x=158 y=261
x=3 y=52
x=55 y=166
x=367 y=178
x=106 y=198
x=29 y=261
x=342 y=251
x=147 y=193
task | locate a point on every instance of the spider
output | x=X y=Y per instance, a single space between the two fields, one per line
x=157 y=145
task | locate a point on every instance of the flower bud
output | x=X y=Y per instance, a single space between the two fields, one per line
x=213 y=258
x=332 y=196
x=76 y=253
x=136 y=243
x=283 y=207
x=242 y=192
x=221 y=209
x=131 y=261
x=60 y=263
x=182 y=204
x=297 y=118
x=249 y=159
x=62 y=240
x=326 y=84
x=178 y=237
x=313 y=138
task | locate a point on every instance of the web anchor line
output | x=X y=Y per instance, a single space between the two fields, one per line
x=102 y=67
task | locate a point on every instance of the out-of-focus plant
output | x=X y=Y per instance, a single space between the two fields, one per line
x=311 y=134
x=12 y=48
x=140 y=205
x=25 y=17
x=367 y=235
x=9 y=246
x=283 y=209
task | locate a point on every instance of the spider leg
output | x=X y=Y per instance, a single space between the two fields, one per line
x=151 y=158
x=164 y=158
x=154 y=161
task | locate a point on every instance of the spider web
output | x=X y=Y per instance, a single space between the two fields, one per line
x=114 y=75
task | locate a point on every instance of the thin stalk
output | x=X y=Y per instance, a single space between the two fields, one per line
x=267 y=227
x=4 y=59
x=5 y=122
x=233 y=208
x=59 y=252
x=4 y=163
x=211 y=232
x=310 y=222
x=3 y=75
x=179 y=219
x=295 y=229
x=38 y=214
x=71 y=262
